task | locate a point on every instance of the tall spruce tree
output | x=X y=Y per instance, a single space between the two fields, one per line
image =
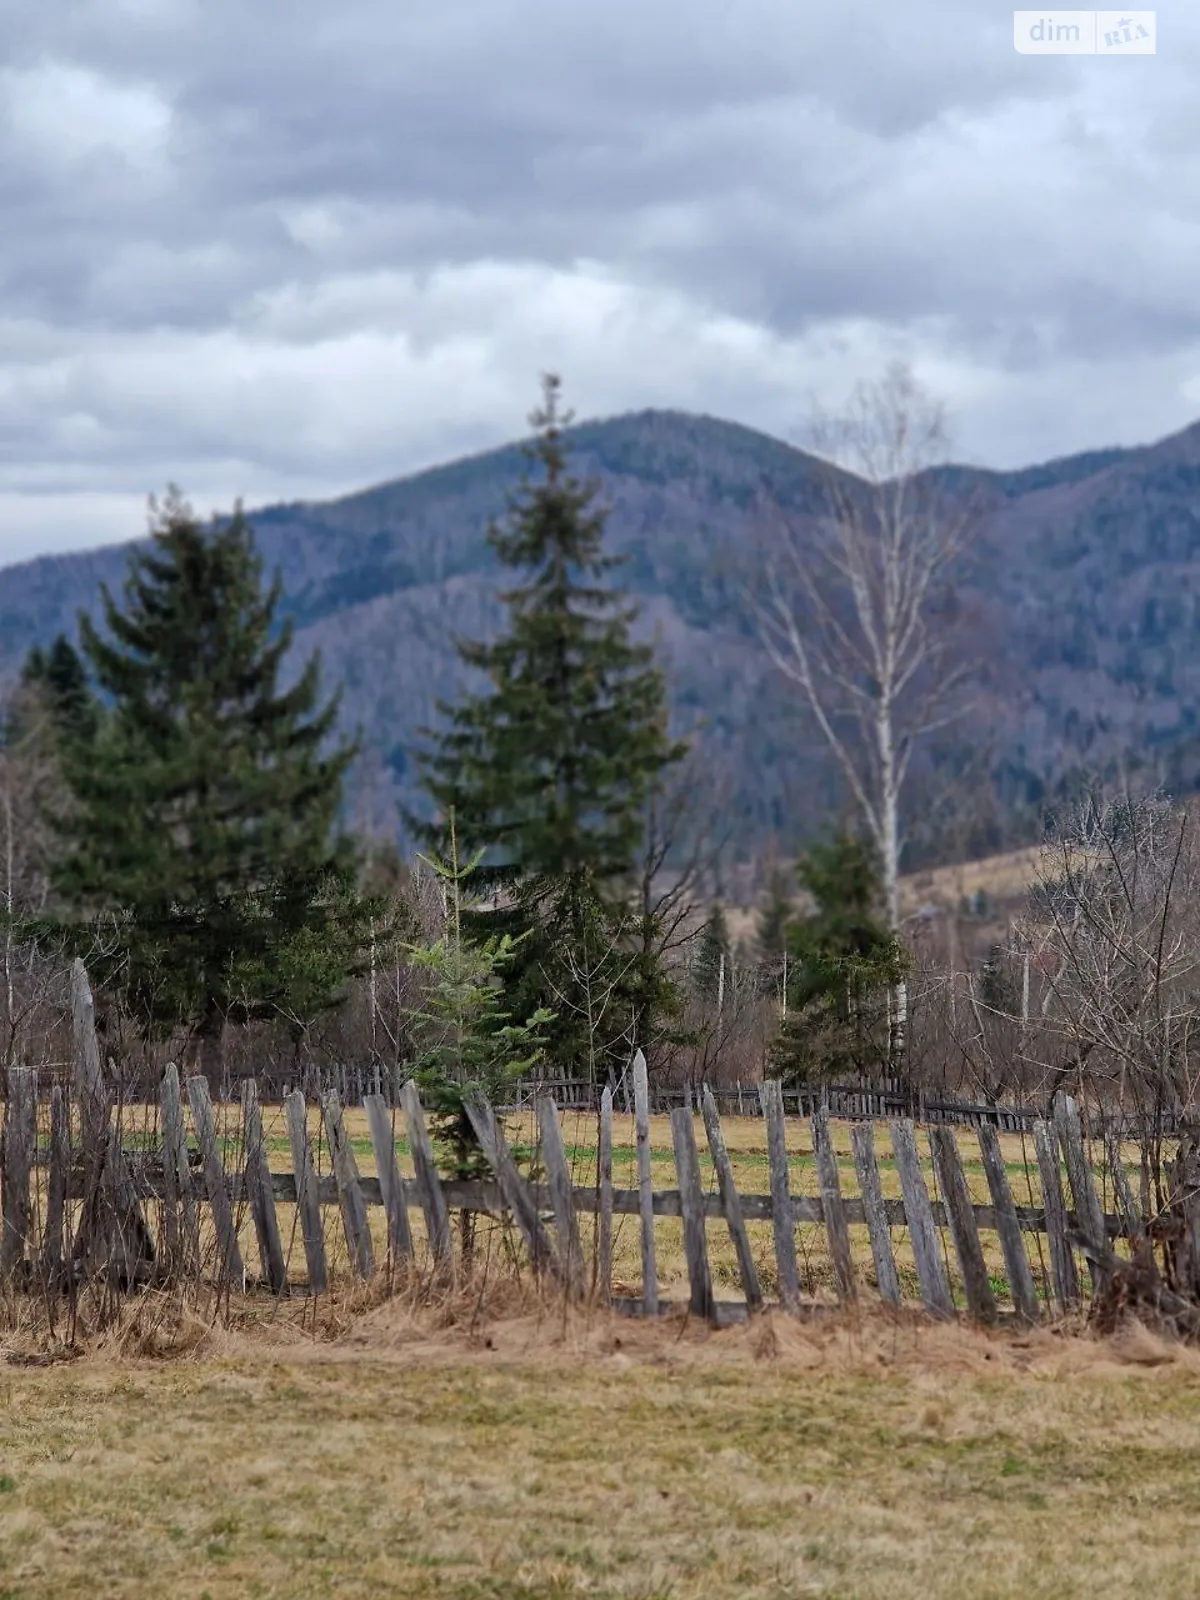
x=548 y=770
x=843 y=964
x=200 y=868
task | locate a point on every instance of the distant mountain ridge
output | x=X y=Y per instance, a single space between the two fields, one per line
x=1084 y=602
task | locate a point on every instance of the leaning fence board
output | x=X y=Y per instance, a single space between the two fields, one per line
x=836 y=1230
x=429 y=1185
x=350 y=1197
x=229 y=1257
x=604 y=1198
x=513 y=1187
x=862 y=1142
x=262 y=1197
x=178 y=1217
x=307 y=1193
x=691 y=1200
x=782 y=1213
x=1089 y=1218
x=1131 y=1215
x=1016 y=1258
x=558 y=1178
x=641 y=1114
x=952 y=1180
x=57 y=1187
x=20 y=1137
x=383 y=1144
x=731 y=1201
x=931 y=1270
x=1063 y=1276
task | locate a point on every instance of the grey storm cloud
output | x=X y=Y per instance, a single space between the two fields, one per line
x=289 y=250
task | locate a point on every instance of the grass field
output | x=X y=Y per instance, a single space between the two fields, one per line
x=606 y=1459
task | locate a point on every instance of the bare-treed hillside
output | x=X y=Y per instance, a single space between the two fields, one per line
x=1082 y=606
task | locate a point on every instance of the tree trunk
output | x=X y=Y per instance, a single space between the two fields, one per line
x=889 y=851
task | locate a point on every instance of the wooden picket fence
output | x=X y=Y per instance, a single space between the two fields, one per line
x=100 y=1197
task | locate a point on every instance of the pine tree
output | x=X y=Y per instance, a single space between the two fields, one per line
x=200 y=869
x=470 y=1045
x=843 y=961
x=60 y=678
x=549 y=769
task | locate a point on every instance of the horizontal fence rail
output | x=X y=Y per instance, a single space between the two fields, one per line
x=185 y=1190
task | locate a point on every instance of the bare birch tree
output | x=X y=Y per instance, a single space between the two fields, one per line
x=857 y=617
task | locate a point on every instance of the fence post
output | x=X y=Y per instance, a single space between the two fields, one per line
x=20 y=1136
x=604 y=1180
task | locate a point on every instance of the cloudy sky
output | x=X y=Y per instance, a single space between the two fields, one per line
x=287 y=250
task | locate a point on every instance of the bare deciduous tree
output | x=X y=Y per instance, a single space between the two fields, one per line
x=1117 y=911
x=858 y=618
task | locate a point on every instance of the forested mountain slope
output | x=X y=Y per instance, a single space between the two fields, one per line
x=1082 y=599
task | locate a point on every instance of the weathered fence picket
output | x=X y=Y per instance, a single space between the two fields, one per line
x=1089 y=1218
x=230 y=1270
x=641 y=1116
x=429 y=1186
x=349 y=1186
x=782 y=1216
x=261 y=1195
x=604 y=1198
x=179 y=1218
x=1127 y=1205
x=1064 y=1278
x=391 y=1187
x=691 y=1201
x=862 y=1143
x=931 y=1270
x=836 y=1230
x=731 y=1201
x=308 y=1202
x=1016 y=1257
x=558 y=1177
x=956 y=1196
x=58 y=1189
x=20 y=1137
x=513 y=1187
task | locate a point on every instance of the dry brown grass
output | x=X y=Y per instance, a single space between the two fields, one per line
x=528 y=1456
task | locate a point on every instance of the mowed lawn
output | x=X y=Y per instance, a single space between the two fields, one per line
x=612 y=1459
